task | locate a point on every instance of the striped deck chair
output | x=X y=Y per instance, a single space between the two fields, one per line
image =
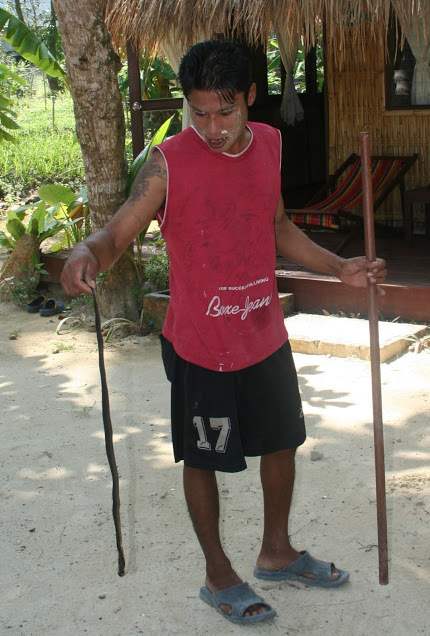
x=345 y=201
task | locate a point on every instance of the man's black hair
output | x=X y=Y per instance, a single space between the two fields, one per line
x=216 y=65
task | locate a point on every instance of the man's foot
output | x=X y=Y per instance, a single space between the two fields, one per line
x=238 y=603
x=304 y=568
x=227 y=582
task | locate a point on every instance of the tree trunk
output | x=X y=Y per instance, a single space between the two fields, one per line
x=18 y=9
x=51 y=43
x=19 y=276
x=92 y=66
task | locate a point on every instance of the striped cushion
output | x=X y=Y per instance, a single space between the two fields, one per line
x=322 y=220
x=349 y=193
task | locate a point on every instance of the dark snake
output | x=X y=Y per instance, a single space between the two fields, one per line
x=107 y=423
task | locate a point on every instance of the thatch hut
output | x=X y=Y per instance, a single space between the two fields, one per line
x=376 y=75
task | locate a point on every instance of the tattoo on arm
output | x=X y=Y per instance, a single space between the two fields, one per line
x=141 y=183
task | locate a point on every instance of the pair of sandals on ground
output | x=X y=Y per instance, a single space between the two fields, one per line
x=240 y=597
x=45 y=306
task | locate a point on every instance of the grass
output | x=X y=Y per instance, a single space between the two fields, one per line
x=83 y=411
x=47 y=150
x=61 y=346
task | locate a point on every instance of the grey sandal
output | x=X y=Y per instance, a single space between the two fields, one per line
x=297 y=571
x=239 y=598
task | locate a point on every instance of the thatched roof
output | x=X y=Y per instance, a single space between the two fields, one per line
x=147 y=22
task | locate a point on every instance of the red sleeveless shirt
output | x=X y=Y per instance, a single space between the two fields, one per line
x=218 y=223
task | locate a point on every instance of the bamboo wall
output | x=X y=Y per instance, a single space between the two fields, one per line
x=356 y=102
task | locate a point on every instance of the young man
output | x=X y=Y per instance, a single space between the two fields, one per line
x=216 y=190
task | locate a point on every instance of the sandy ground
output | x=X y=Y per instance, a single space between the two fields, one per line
x=58 y=573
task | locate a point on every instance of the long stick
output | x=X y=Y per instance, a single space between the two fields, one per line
x=369 y=240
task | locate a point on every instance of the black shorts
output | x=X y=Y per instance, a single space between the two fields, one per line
x=219 y=418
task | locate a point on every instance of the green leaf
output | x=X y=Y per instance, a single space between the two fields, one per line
x=5 y=102
x=15 y=228
x=55 y=194
x=56 y=247
x=37 y=219
x=6 y=136
x=274 y=63
x=8 y=122
x=5 y=242
x=143 y=156
x=27 y=44
x=5 y=72
x=19 y=212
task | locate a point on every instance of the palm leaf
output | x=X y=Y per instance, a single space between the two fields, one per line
x=27 y=44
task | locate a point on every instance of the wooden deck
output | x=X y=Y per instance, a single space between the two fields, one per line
x=407 y=289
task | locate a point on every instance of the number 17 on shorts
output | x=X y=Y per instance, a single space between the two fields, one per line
x=221 y=424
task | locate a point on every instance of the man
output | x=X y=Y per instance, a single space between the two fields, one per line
x=216 y=190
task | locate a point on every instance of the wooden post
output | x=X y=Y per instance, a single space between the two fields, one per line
x=369 y=239
x=135 y=93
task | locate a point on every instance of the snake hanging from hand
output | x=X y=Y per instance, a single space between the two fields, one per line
x=107 y=423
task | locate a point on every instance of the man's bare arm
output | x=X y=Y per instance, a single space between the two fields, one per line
x=293 y=244
x=102 y=249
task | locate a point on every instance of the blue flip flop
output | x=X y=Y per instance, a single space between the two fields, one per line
x=51 y=307
x=36 y=305
x=305 y=564
x=239 y=598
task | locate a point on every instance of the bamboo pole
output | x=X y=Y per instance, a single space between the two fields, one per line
x=369 y=239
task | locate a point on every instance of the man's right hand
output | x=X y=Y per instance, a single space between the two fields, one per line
x=80 y=271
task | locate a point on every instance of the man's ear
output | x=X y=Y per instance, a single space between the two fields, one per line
x=252 y=94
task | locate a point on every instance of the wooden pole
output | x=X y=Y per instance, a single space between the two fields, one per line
x=369 y=240
x=135 y=93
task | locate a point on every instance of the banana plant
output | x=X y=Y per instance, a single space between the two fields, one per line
x=7 y=115
x=25 y=42
x=31 y=48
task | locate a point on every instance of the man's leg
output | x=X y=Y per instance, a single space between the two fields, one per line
x=277 y=472
x=277 y=478
x=201 y=493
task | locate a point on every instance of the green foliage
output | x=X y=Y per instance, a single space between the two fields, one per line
x=43 y=223
x=157 y=78
x=7 y=115
x=158 y=138
x=42 y=153
x=27 y=44
x=273 y=68
x=70 y=208
x=299 y=70
x=25 y=289
x=156 y=270
x=137 y=164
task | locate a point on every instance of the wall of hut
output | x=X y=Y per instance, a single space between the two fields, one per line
x=355 y=84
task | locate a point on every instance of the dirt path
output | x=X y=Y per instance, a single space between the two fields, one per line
x=58 y=572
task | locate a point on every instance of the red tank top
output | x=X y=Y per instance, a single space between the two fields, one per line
x=218 y=223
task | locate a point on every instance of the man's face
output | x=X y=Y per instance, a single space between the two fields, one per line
x=222 y=124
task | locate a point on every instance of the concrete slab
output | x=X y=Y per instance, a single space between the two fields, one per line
x=287 y=303
x=348 y=337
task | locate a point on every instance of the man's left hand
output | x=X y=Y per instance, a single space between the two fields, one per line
x=357 y=271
